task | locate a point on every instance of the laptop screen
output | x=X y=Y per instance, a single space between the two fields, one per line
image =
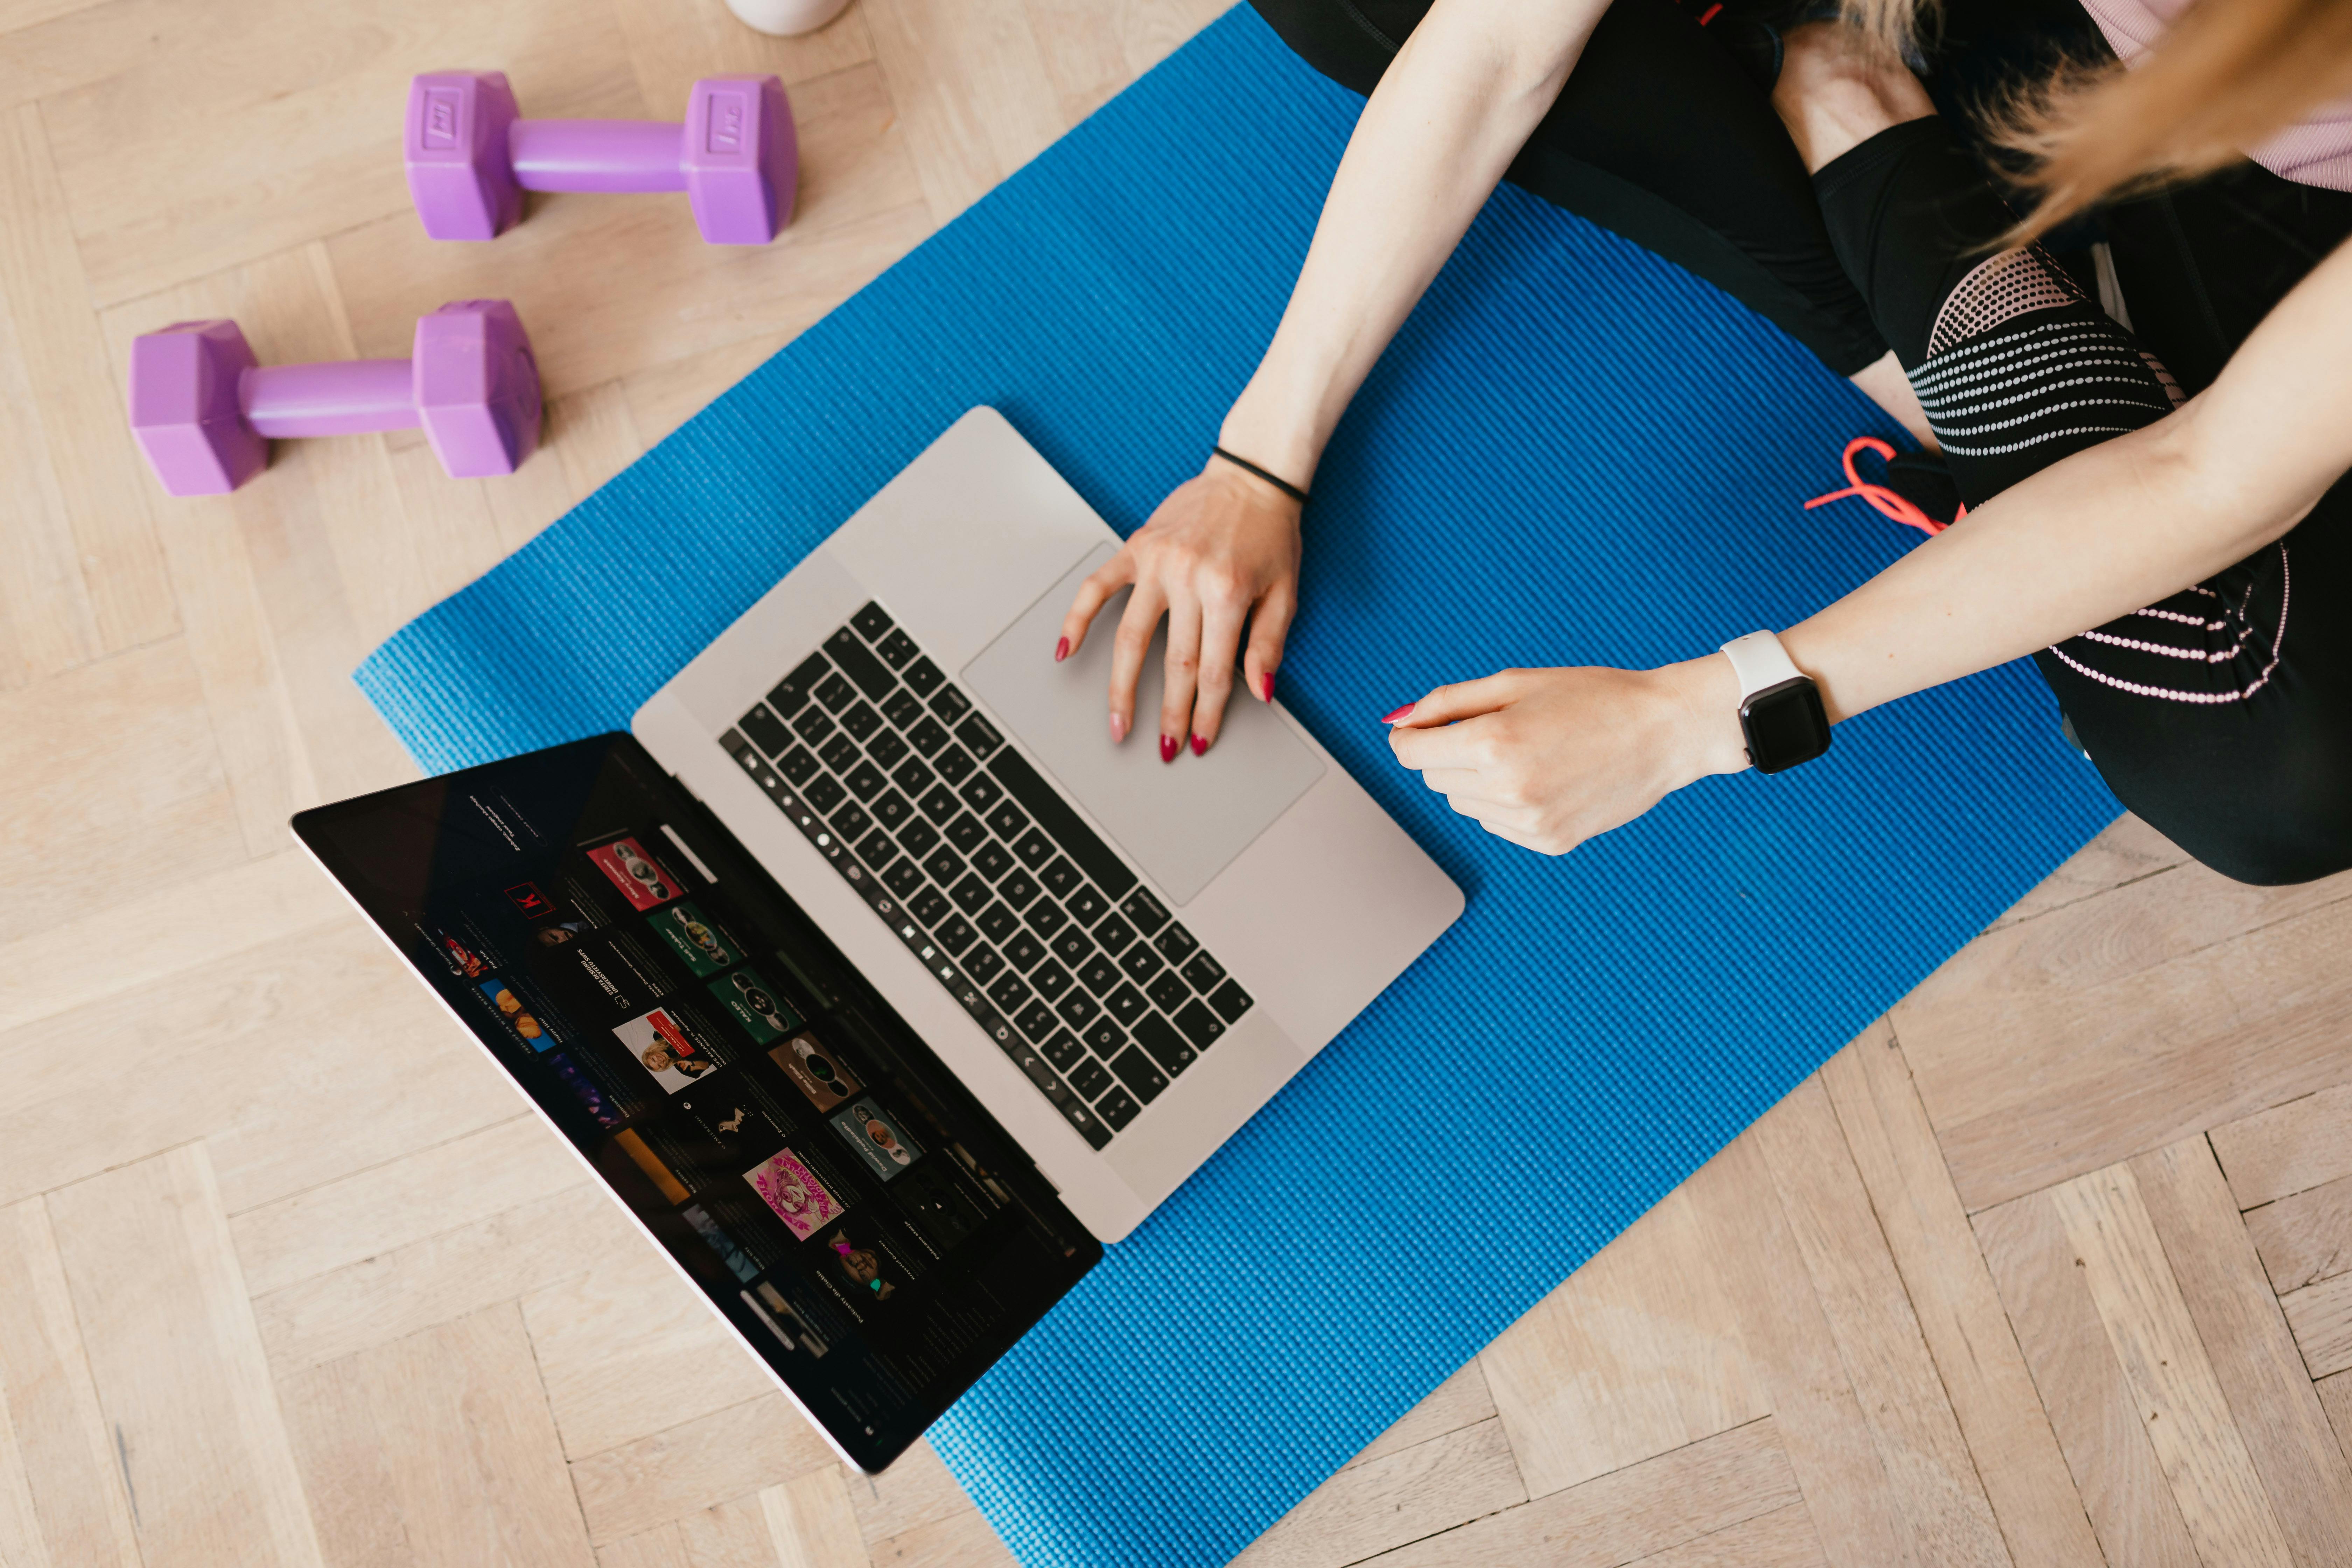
x=837 y=1194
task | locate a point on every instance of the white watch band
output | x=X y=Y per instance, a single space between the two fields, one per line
x=1760 y=660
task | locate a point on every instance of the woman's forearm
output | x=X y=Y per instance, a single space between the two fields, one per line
x=1452 y=111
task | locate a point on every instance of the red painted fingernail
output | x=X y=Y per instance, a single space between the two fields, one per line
x=1118 y=728
x=1200 y=747
x=1265 y=686
x=1061 y=650
x=1392 y=718
x=1169 y=746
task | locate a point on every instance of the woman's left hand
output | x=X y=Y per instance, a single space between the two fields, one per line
x=1548 y=758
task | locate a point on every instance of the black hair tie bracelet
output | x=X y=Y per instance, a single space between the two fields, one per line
x=1284 y=486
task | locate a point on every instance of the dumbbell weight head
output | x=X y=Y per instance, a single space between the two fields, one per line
x=202 y=408
x=470 y=157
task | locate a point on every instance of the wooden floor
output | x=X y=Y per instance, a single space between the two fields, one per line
x=2052 y=1266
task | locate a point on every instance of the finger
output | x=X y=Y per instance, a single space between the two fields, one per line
x=1221 y=635
x=1183 y=668
x=1465 y=745
x=1093 y=594
x=1528 y=840
x=1449 y=704
x=1128 y=649
x=1466 y=783
x=1269 y=629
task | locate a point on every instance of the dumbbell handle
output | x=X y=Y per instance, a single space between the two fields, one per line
x=597 y=154
x=343 y=397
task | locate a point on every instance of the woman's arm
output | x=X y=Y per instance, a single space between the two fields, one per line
x=1549 y=758
x=1452 y=111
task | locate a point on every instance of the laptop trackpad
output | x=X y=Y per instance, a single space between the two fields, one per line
x=1182 y=822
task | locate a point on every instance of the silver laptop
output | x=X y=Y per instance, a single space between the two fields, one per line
x=935 y=960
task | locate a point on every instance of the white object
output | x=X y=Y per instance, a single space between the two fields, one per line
x=784 y=18
x=1760 y=662
x=1310 y=892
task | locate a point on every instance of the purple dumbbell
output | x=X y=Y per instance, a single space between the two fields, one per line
x=470 y=159
x=205 y=412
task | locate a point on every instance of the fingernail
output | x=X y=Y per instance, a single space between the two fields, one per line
x=1169 y=746
x=1061 y=650
x=1118 y=728
x=1265 y=686
x=1392 y=718
x=1200 y=747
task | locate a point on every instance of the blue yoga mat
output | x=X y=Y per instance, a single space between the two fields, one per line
x=1574 y=453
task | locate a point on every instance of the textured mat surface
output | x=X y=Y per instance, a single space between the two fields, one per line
x=1574 y=453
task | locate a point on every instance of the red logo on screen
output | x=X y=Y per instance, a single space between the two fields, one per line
x=528 y=900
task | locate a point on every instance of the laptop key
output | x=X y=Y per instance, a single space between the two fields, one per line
x=902 y=708
x=982 y=962
x=924 y=677
x=1008 y=822
x=1050 y=979
x=1095 y=1128
x=1117 y=1109
x=878 y=849
x=767 y=730
x=1090 y=1077
x=897 y=650
x=865 y=781
x=872 y=676
x=862 y=721
x=1135 y=1070
x=814 y=725
x=824 y=793
x=991 y=860
x=799 y=764
x=918 y=838
x=1200 y=1025
x=1062 y=877
x=1104 y=1037
x=1037 y=1021
x=1024 y=952
x=851 y=821
x=1169 y=992
x=1167 y=1046
x=1060 y=821
x=835 y=692
x=951 y=705
x=1017 y=889
x=1175 y=944
x=1145 y=911
x=872 y=621
x=913 y=777
x=1072 y=946
x=930 y=906
x=999 y=922
x=1141 y=963
x=1046 y=918
x=944 y=864
x=1086 y=905
x=1065 y=1051
x=791 y=692
x=904 y=878
x=1009 y=993
x=1127 y=1005
x=955 y=764
x=1100 y=975
x=1230 y=1001
x=1204 y=973
x=892 y=810
x=955 y=933
x=1034 y=848
x=927 y=736
x=1113 y=934
x=941 y=805
x=966 y=833
x=1077 y=1009
x=980 y=792
x=970 y=894
x=840 y=753
x=888 y=749
x=980 y=735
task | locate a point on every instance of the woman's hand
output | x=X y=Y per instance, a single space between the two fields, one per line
x=1548 y=758
x=1222 y=549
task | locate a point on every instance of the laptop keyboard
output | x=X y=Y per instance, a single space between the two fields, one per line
x=1035 y=926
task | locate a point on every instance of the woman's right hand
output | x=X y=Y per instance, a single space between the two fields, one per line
x=1222 y=549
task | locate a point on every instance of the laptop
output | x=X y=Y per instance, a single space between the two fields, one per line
x=877 y=985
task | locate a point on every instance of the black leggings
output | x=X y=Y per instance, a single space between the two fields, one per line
x=2222 y=715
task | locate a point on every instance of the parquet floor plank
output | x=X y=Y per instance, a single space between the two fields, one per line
x=695 y=1464
x=1402 y=1497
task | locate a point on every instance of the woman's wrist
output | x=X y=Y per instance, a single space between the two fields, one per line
x=1701 y=703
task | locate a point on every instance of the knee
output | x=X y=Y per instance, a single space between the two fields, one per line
x=2268 y=814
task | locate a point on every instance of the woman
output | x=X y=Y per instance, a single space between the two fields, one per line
x=2250 y=769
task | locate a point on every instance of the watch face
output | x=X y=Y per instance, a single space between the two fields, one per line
x=1785 y=725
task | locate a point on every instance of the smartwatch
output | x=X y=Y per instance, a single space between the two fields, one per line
x=1780 y=712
